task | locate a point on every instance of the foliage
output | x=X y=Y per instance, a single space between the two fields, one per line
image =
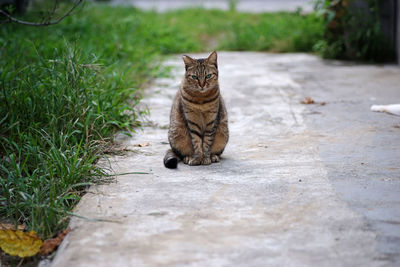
x=353 y=31
x=56 y=112
x=58 y=105
x=232 y=5
x=224 y=30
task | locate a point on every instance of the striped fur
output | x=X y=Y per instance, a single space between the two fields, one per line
x=198 y=130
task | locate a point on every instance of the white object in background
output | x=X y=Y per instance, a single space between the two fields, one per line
x=392 y=109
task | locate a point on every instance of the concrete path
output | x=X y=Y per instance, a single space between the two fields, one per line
x=254 y=6
x=299 y=185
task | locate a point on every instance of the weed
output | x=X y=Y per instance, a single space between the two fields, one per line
x=57 y=112
x=224 y=30
x=353 y=31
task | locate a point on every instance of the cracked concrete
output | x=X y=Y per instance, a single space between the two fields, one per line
x=299 y=185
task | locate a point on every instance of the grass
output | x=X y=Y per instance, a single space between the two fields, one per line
x=229 y=30
x=66 y=89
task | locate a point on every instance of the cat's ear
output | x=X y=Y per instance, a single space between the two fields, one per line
x=212 y=59
x=188 y=61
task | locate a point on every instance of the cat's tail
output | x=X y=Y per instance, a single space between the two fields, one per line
x=170 y=159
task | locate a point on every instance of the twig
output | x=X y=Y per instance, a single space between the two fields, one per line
x=125 y=173
x=93 y=219
x=12 y=19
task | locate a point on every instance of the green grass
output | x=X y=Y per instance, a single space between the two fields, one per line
x=224 y=30
x=66 y=89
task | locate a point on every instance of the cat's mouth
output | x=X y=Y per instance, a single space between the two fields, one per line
x=202 y=89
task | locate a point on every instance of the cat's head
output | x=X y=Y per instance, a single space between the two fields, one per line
x=201 y=74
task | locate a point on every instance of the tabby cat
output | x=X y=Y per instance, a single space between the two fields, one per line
x=198 y=129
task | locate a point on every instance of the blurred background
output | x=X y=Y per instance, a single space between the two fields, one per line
x=365 y=30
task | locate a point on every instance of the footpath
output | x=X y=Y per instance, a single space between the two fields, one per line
x=299 y=184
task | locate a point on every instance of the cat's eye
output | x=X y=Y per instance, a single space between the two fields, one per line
x=195 y=77
x=208 y=76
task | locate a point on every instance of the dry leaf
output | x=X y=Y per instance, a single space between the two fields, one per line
x=143 y=144
x=308 y=100
x=19 y=243
x=50 y=245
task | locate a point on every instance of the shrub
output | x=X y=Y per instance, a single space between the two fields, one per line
x=353 y=31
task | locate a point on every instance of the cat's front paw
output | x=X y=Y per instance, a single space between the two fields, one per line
x=214 y=158
x=186 y=160
x=195 y=160
x=206 y=161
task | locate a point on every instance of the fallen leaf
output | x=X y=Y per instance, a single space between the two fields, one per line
x=307 y=101
x=19 y=243
x=143 y=144
x=50 y=245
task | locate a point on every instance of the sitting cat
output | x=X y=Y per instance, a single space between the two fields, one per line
x=198 y=129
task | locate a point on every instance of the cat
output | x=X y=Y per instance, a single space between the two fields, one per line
x=198 y=129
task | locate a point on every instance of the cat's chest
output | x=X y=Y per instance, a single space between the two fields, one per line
x=202 y=115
